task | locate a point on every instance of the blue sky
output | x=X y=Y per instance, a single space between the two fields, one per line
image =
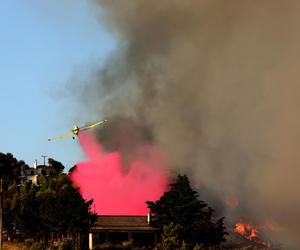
x=42 y=44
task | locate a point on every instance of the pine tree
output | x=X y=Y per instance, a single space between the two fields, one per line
x=58 y=166
x=181 y=206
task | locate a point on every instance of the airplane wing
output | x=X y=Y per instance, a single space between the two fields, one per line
x=92 y=125
x=61 y=136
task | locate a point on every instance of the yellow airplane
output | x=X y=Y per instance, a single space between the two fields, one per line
x=76 y=130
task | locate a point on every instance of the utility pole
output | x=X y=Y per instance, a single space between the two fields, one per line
x=44 y=156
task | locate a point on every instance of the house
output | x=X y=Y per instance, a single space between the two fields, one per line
x=31 y=174
x=120 y=228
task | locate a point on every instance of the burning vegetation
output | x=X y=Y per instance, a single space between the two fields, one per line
x=246 y=230
x=257 y=233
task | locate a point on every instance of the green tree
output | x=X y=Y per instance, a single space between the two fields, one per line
x=10 y=210
x=27 y=211
x=10 y=168
x=181 y=206
x=169 y=237
x=52 y=210
x=62 y=209
x=58 y=166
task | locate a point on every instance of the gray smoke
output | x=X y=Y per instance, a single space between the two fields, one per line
x=216 y=85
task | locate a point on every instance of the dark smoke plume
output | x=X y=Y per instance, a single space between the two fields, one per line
x=216 y=84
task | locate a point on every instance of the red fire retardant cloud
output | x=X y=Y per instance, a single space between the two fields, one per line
x=117 y=191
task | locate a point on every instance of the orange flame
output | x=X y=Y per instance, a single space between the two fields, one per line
x=251 y=232
x=246 y=230
x=240 y=228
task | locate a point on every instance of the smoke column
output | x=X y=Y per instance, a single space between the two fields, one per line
x=215 y=84
x=116 y=191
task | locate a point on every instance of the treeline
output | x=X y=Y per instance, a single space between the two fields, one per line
x=54 y=211
x=49 y=212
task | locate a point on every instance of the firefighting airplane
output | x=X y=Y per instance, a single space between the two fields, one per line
x=76 y=130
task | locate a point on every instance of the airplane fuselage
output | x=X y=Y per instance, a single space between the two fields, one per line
x=75 y=130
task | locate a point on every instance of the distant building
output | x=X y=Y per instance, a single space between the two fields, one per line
x=120 y=228
x=31 y=174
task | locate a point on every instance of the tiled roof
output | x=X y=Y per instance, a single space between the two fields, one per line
x=122 y=223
